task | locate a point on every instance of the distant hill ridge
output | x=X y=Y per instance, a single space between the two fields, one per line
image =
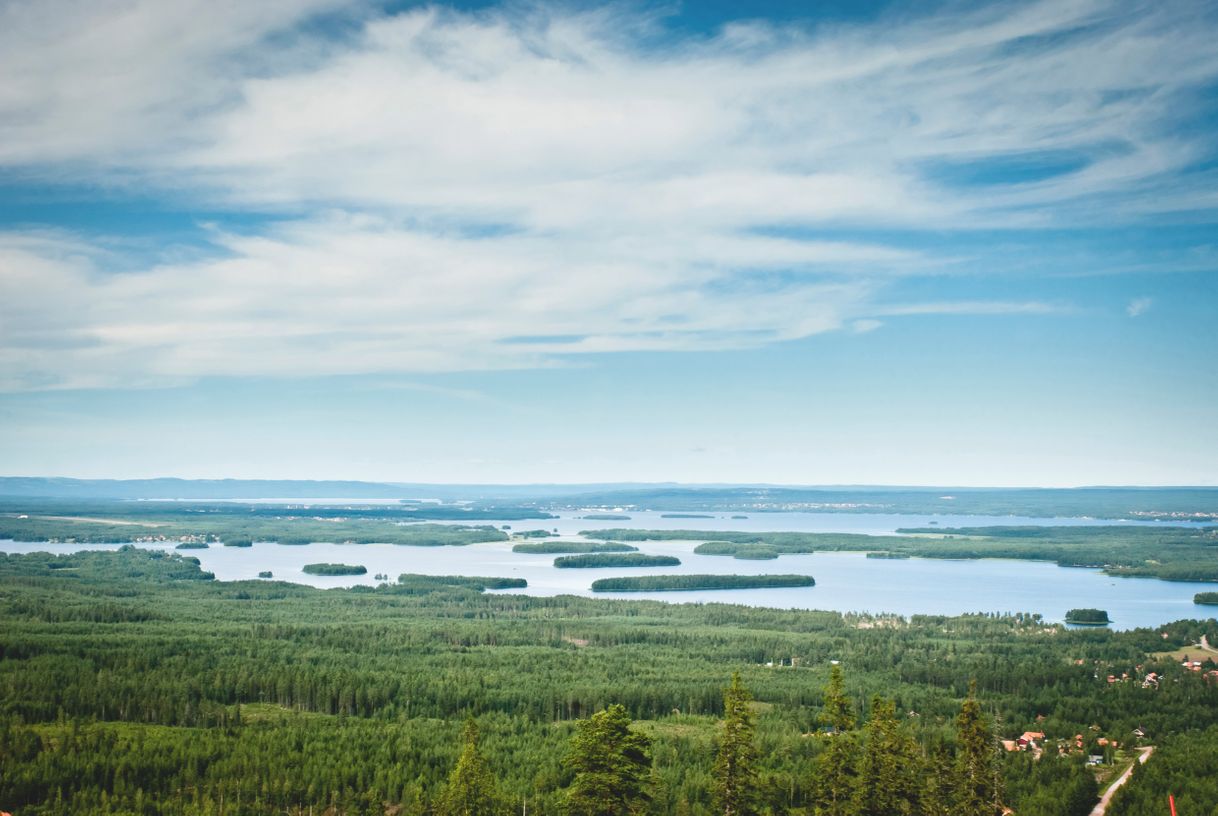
x=1197 y=504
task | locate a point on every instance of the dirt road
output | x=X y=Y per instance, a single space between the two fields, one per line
x=1102 y=807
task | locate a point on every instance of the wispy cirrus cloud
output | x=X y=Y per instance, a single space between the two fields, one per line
x=448 y=183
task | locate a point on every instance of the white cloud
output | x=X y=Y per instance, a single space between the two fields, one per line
x=357 y=294
x=1138 y=306
x=507 y=187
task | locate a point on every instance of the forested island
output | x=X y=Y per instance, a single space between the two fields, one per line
x=1206 y=598
x=675 y=583
x=416 y=582
x=233 y=524
x=334 y=569
x=747 y=552
x=355 y=700
x=1169 y=553
x=572 y=547
x=1088 y=617
x=608 y=559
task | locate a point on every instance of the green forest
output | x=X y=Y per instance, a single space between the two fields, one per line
x=334 y=569
x=133 y=683
x=660 y=583
x=601 y=560
x=1170 y=553
x=230 y=524
x=572 y=547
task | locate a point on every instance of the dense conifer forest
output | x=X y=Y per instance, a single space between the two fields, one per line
x=132 y=683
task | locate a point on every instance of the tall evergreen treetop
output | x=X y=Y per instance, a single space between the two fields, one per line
x=837 y=713
x=978 y=789
x=735 y=772
x=612 y=766
x=471 y=789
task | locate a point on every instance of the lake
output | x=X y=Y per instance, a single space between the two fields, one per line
x=845 y=582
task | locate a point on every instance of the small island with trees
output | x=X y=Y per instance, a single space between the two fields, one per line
x=1206 y=598
x=600 y=560
x=335 y=569
x=685 y=583
x=1088 y=617
x=573 y=547
x=743 y=552
x=431 y=583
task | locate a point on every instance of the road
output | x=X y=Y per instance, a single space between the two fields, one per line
x=1205 y=644
x=1102 y=806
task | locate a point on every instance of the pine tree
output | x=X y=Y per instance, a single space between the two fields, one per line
x=612 y=766
x=471 y=789
x=736 y=785
x=978 y=792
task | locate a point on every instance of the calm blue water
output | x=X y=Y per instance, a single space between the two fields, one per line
x=845 y=582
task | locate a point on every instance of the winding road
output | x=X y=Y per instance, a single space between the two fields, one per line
x=1102 y=806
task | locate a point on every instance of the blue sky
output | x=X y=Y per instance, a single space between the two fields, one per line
x=969 y=244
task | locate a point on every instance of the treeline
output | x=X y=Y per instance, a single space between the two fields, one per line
x=240 y=529
x=754 y=552
x=1170 y=553
x=573 y=547
x=334 y=569
x=661 y=583
x=630 y=559
x=129 y=683
x=416 y=581
x=1192 y=504
x=1208 y=598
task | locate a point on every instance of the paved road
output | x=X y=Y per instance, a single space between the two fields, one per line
x=1102 y=806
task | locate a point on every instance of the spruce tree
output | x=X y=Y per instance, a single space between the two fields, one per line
x=978 y=791
x=835 y=768
x=937 y=792
x=889 y=769
x=612 y=766
x=471 y=789
x=736 y=785
x=837 y=713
